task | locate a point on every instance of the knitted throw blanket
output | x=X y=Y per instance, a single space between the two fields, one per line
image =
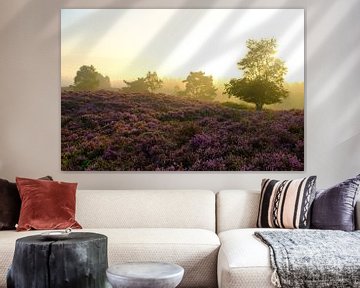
x=313 y=258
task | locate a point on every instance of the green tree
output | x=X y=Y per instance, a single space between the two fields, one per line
x=137 y=86
x=86 y=79
x=153 y=81
x=144 y=84
x=104 y=82
x=263 y=75
x=199 y=86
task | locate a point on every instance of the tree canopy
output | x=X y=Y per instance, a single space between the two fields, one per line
x=104 y=81
x=153 y=82
x=87 y=78
x=144 y=84
x=137 y=86
x=199 y=86
x=263 y=75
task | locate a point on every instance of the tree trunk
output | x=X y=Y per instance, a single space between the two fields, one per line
x=259 y=106
x=79 y=261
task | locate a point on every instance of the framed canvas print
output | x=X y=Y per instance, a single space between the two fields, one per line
x=182 y=89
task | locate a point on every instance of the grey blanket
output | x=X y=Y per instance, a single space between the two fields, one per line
x=314 y=258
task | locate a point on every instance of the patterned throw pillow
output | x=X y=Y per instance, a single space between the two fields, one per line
x=286 y=204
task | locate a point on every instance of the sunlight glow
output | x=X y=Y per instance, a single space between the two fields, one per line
x=195 y=40
x=295 y=62
x=291 y=47
x=220 y=66
x=251 y=20
x=126 y=43
x=125 y=40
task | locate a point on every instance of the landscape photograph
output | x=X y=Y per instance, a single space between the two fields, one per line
x=182 y=89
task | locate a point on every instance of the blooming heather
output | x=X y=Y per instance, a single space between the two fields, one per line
x=116 y=131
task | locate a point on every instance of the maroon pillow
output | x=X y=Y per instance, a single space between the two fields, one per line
x=10 y=204
x=46 y=204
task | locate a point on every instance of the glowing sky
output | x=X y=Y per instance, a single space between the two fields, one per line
x=127 y=43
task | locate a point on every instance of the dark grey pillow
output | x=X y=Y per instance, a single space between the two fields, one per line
x=334 y=208
x=9 y=205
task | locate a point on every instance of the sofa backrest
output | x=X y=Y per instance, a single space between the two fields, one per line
x=236 y=209
x=239 y=209
x=146 y=209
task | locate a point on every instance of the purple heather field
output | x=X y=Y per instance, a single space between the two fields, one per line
x=117 y=131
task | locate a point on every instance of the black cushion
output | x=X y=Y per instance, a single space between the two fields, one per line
x=9 y=205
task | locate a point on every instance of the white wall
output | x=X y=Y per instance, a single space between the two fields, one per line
x=30 y=95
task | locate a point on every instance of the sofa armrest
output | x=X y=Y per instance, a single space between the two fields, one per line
x=357 y=215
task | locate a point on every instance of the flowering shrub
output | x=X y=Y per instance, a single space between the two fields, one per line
x=109 y=131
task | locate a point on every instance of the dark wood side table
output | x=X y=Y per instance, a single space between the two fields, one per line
x=78 y=261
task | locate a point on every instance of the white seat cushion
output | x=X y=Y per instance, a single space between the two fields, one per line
x=196 y=250
x=244 y=261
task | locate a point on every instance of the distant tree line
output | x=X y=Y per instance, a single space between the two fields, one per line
x=262 y=82
x=197 y=84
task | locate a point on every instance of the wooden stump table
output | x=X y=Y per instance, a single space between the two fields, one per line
x=78 y=261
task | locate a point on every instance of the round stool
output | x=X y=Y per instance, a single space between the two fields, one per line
x=145 y=275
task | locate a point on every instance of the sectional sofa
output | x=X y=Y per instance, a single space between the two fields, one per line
x=210 y=235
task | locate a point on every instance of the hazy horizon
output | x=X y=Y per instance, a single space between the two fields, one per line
x=127 y=43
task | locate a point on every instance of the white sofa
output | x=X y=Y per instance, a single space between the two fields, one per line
x=175 y=226
x=243 y=261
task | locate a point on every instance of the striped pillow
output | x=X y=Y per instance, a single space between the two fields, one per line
x=286 y=204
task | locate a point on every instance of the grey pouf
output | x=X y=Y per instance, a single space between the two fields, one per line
x=145 y=275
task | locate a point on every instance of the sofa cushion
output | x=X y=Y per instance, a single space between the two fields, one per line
x=236 y=209
x=146 y=209
x=194 y=249
x=46 y=204
x=286 y=204
x=334 y=208
x=10 y=204
x=244 y=261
